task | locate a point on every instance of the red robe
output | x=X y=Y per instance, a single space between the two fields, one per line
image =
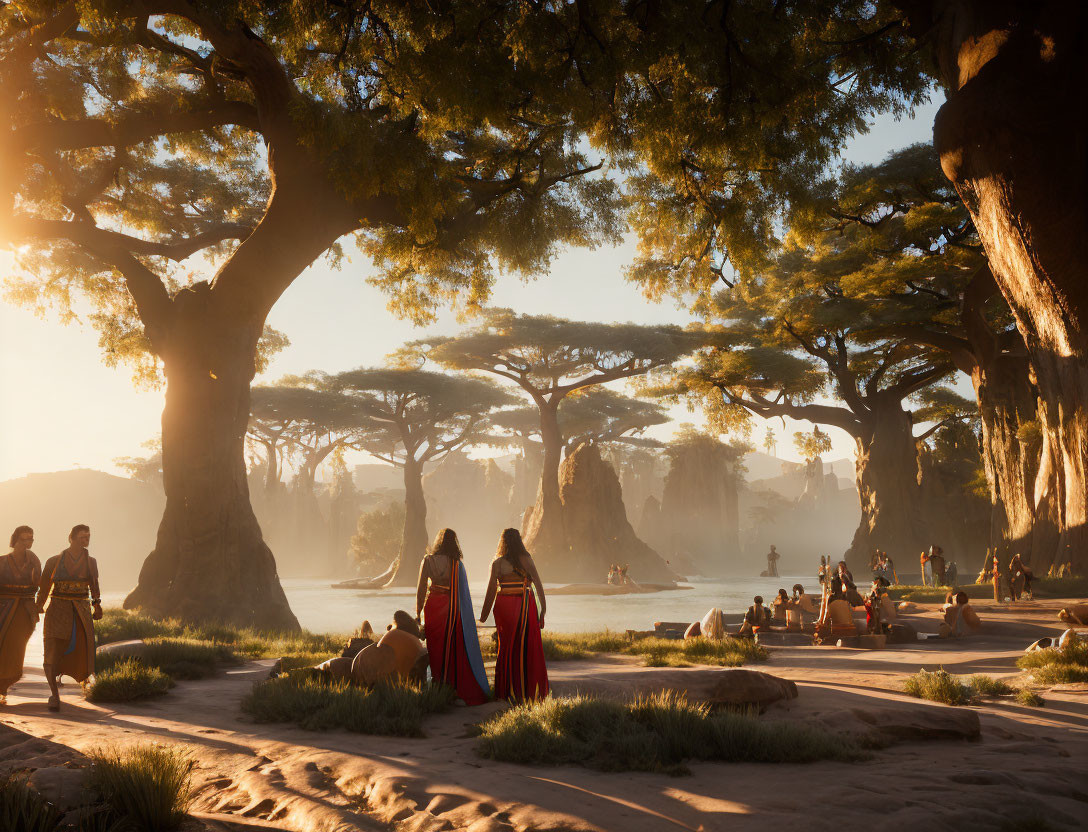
x=520 y=672
x=446 y=641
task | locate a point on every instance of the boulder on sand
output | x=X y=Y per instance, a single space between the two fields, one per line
x=396 y=655
x=717 y=687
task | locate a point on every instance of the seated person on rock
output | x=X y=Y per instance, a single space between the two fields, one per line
x=756 y=617
x=839 y=615
x=779 y=606
x=800 y=613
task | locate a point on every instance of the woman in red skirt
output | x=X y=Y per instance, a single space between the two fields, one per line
x=448 y=622
x=520 y=673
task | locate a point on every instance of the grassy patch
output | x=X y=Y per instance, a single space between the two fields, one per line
x=120 y=625
x=1061 y=587
x=22 y=808
x=988 y=686
x=939 y=686
x=127 y=681
x=1057 y=666
x=651 y=734
x=1030 y=698
x=147 y=786
x=393 y=709
x=937 y=594
x=180 y=658
x=655 y=652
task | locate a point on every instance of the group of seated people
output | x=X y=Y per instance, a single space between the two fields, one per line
x=795 y=613
x=617 y=575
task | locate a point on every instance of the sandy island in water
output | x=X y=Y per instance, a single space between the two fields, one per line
x=1027 y=761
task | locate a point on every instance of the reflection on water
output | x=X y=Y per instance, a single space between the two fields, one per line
x=322 y=609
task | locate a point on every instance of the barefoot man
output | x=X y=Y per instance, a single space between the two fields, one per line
x=70 y=585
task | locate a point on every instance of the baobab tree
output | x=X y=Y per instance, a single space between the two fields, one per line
x=260 y=137
x=422 y=417
x=550 y=359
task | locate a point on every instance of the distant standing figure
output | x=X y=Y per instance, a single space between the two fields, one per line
x=927 y=569
x=1018 y=577
x=70 y=586
x=821 y=575
x=520 y=671
x=20 y=573
x=772 y=563
x=995 y=576
x=448 y=621
x=936 y=565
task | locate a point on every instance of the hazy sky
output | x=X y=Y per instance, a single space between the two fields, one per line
x=63 y=408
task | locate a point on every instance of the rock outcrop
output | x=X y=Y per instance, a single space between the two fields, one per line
x=596 y=527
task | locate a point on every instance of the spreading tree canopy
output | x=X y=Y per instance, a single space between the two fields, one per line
x=422 y=416
x=550 y=359
x=150 y=144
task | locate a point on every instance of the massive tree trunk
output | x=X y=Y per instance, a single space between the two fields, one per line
x=210 y=562
x=413 y=543
x=1013 y=138
x=544 y=532
x=888 y=486
x=1006 y=404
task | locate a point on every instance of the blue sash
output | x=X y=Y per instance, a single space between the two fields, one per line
x=468 y=630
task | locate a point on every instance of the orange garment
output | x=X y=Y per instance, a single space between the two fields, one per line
x=68 y=632
x=18 y=614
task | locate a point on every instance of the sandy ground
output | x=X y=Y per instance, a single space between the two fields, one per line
x=1027 y=762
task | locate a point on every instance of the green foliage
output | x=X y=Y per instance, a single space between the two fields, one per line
x=150 y=786
x=655 y=652
x=937 y=594
x=988 y=686
x=23 y=809
x=938 y=685
x=128 y=680
x=376 y=541
x=812 y=445
x=390 y=709
x=655 y=733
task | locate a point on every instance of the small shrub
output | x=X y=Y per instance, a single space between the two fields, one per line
x=566 y=646
x=22 y=808
x=127 y=681
x=1057 y=666
x=392 y=709
x=938 y=685
x=988 y=686
x=150 y=786
x=1030 y=698
x=180 y=658
x=655 y=733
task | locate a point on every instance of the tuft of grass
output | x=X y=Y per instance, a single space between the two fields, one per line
x=1061 y=587
x=566 y=646
x=391 y=709
x=988 y=686
x=1030 y=698
x=939 y=686
x=148 y=786
x=127 y=681
x=1057 y=666
x=656 y=733
x=22 y=808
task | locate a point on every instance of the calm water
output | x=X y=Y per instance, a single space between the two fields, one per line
x=322 y=609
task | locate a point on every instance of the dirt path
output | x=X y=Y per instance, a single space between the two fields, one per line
x=1027 y=762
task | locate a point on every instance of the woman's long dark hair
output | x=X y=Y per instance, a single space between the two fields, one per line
x=512 y=549
x=445 y=543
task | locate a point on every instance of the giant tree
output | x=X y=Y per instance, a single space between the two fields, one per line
x=258 y=136
x=730 y=111
x=550 y=359
x=423 y=416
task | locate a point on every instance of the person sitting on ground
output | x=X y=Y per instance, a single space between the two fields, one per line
x=959 y=617
x=756 y=617
x=1077 y=615
x=778 y=607
x=839 y=615
x=802 y=608
x=849 y=588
